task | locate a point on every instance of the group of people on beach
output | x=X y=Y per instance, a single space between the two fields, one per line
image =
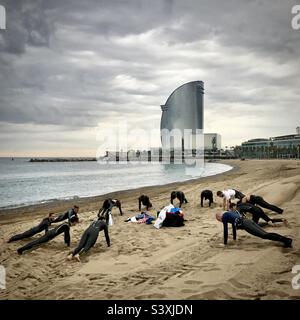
x=234 y=213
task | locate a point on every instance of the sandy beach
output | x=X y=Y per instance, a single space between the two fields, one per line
x=170 y=263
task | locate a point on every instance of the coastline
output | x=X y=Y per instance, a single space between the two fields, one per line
x=170 y=263
x=58 y=205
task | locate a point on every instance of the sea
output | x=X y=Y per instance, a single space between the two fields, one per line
x=25 y=183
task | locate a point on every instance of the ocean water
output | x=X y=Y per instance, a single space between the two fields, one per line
x=23 y=183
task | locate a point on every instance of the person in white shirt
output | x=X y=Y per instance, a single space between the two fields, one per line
x=228 y=195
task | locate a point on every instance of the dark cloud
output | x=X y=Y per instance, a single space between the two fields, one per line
x=74 y=64
x=27 y=24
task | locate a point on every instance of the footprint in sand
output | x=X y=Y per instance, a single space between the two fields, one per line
x=239 y=285
x=277 y=293
x=166 y=288
x=146 y=255
x=193 y=282
x=188 y=291
x=212 y=269
x=151 y=296
x=283 y=281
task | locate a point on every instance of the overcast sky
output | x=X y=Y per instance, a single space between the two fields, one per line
x=70 y=67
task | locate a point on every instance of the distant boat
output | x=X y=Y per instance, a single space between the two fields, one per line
x=12 y=159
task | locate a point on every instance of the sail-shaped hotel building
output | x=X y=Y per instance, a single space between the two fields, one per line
x=182 y=114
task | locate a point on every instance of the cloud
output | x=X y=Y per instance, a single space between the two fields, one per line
x=77 y=64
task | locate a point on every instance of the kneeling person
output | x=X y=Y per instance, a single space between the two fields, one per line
x=207 y=195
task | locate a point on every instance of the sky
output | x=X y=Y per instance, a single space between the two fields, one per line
x=72 y=70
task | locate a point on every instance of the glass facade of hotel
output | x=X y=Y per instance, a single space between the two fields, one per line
x=182 y=111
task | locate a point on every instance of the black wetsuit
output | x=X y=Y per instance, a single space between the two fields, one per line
x=145 y=201
x=173 y=220
x=180 y=196
x=107 y=206
x=238 y=194
x=207 y=195
x=238 y=222
x=256 y=212
x=67 y=215
x=51 y=234
x=257 y=200
x=44 y=225
x=90 y=236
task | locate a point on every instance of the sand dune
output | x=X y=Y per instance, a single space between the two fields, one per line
x=170 y=263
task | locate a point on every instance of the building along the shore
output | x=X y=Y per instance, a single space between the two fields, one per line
x=287 y=146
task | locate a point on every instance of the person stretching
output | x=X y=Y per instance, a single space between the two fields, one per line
x=145 y=201
x=44 y=225
x=228 y=195
x=260 y=201
x=180 y=196
x=256 y=212
x=207 y=195
x=239 y=222
x=90 y=237
x=51 y=234
x=107 y=206
x=67 y=215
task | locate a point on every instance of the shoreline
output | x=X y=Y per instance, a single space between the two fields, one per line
x=57 y=204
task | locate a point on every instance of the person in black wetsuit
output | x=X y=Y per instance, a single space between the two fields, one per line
x=260 y=201
x=51 y=234
x=107 y=206
x=207 y=195
x=44 y=225
x=239 y=222
x=145 y=201
x=256 y=212
x=90 y=237
x=180 y=196
x=67 y=215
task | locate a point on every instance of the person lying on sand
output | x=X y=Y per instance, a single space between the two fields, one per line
x=51 y=234
x=44 y=225
x=90 y=237
x=239 y=222
x=257 y=213
x=260 y=201
x=67 y=215
x=228 y=195
x=143 y=217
